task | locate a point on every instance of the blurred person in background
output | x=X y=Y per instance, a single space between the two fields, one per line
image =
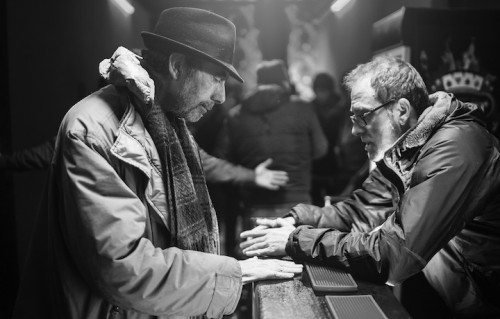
x=332 y=173
x=271 y=123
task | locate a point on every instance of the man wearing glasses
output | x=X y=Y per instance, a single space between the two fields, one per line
x=432 y=203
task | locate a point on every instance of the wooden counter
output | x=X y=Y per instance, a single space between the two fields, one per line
x=289 y=299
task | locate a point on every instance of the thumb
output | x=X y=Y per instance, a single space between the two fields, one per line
x=266 y=163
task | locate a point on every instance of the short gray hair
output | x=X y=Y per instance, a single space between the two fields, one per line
x=392 y=78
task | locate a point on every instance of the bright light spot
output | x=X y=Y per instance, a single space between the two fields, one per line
x=124 y=6
x=339 y=5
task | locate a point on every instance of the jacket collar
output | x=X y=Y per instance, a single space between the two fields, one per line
x=133 y=144
x=399 y=160
x=431 y=119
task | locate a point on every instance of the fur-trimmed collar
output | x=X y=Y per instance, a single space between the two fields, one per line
x=431 y=119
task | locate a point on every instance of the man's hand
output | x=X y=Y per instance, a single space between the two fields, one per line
x=266 y=241
x=275 y=222
x=269 y=179
x=254 y=269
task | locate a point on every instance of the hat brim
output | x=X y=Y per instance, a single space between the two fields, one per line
x=159 y=43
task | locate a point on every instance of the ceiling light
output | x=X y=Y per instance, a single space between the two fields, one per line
x=124 y=6
x=339 y=5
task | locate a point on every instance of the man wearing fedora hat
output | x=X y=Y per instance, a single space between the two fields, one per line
x=126 y=227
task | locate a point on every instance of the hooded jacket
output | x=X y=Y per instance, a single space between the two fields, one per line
x=101 y=245
x=433 y=203
x=271 y=123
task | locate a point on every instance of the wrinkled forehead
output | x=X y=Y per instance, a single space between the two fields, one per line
x=363 y=94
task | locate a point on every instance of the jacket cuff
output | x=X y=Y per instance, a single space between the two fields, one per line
x=250 y=177
x=292 y=247
x=227 y=290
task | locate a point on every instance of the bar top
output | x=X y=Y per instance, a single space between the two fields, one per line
x=295 y=298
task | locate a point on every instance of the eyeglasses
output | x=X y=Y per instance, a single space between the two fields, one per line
x=360 y=119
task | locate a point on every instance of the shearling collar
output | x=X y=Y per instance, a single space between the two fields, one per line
x=410 y=142
x=431 y=119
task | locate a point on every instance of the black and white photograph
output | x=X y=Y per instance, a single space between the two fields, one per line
x=250 y=159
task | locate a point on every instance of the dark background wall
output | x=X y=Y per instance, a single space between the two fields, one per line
x=54 y=51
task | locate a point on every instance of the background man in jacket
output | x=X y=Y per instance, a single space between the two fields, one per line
x=431 y=204
x=127 y=229
x=273 y=123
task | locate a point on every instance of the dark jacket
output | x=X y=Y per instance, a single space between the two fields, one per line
x=101 y=245
x=435 y=198
x=271 y=123
x=332 y=115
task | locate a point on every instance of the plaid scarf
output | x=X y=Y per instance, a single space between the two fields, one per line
x=191 y=217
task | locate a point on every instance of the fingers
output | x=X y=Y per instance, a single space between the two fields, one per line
x=293 y=268
x=266 y=222
x=259 y=227
x=252 y=241
x=283 y=275
x=287 y=221
x=253 y=246
x=254 y=233
x=256 y=253
x=258 y=269
x=279 y=176
x=278 y=183
x=286 y=269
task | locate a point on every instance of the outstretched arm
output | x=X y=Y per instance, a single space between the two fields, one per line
x=221 y=171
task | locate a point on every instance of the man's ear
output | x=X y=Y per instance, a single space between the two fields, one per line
x=405 y=111
x=175 y=63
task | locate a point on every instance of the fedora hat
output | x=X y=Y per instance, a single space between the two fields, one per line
x=196 y=32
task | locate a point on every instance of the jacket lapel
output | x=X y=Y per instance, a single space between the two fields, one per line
x=135 y=147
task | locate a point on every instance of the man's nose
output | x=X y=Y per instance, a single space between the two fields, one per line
x=219 y=95
x=356 y=129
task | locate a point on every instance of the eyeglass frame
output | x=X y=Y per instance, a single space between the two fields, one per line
x=356 y=118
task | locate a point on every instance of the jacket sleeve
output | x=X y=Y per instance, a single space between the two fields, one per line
x=365 y=209
x=221 y=171
x=433 y=210
x=103 y=223
x=30 y=159
x=318 y=139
